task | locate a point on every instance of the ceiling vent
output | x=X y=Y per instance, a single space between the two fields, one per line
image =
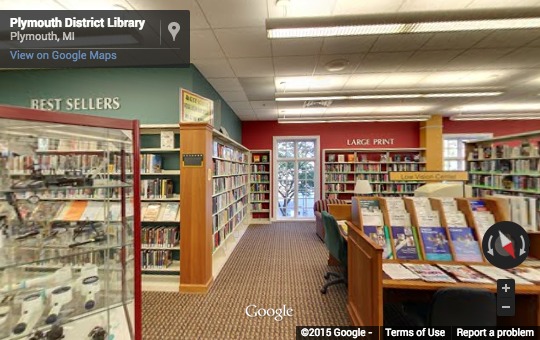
x=317 y=103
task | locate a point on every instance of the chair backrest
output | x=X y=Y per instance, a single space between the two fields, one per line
x=336 y=244
x=322 y=205
x=463 y=307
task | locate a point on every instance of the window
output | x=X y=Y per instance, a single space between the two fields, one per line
x=454 y=149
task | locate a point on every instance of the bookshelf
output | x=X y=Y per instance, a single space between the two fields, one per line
x=229 y=197
x=342 y=167
x=260 y=182
x=508 y=165
x=160 y=206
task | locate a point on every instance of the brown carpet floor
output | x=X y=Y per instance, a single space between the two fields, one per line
x=273 y=265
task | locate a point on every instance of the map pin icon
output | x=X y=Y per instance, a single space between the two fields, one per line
x=174 y=28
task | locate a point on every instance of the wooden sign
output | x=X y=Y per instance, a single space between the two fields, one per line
x=192 y=160
x=429 y=176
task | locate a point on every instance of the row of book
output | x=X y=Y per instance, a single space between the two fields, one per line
x=221 y=234
x=255 y=187
x=373 y=157
x=526 y=149
x=72 y=144
x=157 y=188
x=227 y=168
x=60 y=164
x=226 y=152
x=151 y=163
x=259 y=206
x=69 y=211
x=260 y=158
x=223 y=200
x=460 y=273
x=259 y=178
x=224 y=216
x=162 y=237
x=507 y=166
x=260 y=197
x=76 y=193
x=156 y=259
x=222 y=184
x=260 y=168
x=160 y=212
x=510 y=182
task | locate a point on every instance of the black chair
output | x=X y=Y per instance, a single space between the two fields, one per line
x=337 y=247
x=463 y=307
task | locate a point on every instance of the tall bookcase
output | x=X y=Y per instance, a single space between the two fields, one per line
x=342 y=167
x=508 y=165
x=229 y=197
x=260 y=184
x=160 y=206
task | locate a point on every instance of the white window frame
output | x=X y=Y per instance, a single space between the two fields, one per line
x=317 y=174
x=460 y=137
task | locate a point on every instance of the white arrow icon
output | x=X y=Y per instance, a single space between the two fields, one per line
x=522 y=250
x=490 y=250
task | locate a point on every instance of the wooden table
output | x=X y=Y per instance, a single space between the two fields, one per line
x=370 y=288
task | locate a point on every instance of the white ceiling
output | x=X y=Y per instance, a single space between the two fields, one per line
x=229 y=46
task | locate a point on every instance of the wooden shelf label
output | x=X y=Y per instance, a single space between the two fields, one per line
x=427 y=176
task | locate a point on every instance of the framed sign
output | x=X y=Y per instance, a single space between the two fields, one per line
x=195 y=108
x=192 y=160
x=428 y=176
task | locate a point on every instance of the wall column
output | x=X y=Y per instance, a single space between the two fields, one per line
x=431 y=138
x=196 y=209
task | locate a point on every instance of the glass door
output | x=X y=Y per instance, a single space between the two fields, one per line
x=296 y=170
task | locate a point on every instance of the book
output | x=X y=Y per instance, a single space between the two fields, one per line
x=331 y=157
x=371 y=213
x=395 y=204
x=264 y=158
x=167 y=139
x=398 y=272
x=429 y=273
x=350 y=157
x=495 y=273
x=46 y=210
x=428 y=219
x=466 y=247
x=168 y=212
x=464 y=274
x=405 y=243
x=256 y=158
x=399 y=218
x=75 y=211
x=341 y=158
x=380 y=235
x=529 y=274
x=435 y=244
x=455 y=219
x=152 y=212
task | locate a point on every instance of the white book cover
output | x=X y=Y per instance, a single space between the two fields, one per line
x=374 y=218
x=449 y=204
x=464 y=273
x=529 y=274
x=395 y=204
x=456 y=219
x=398 y=272
x=421 y=204
x=399 y=218
x=167 y=139
x=429 y=219
x=484 y=220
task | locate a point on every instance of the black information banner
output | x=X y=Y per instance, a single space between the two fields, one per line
x=399 y=333
x=73 y=39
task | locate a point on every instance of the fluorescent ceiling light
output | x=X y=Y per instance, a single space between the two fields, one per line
x=400 y=23
x=496 y=116
x=508 y=107
x=366 y=119
x=392 y=96
x=355 y=109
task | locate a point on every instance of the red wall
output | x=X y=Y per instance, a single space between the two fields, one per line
x=497 y=127
x=259 y=134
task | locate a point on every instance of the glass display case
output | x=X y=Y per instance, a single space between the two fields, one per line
x=69 y=204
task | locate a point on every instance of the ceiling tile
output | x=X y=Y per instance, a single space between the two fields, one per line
x=196 y=17
x=430 y=5
x=342 y=45
x=266 y=113
x=203 y=45
x=349 y=60
x=367 y=81
x=244 y=42
x=214 y=68
x=428 y=60
x=327 y=82
x=521 y=58
x=290 y=47
x=402 y=81
x=252 y=67
x=509 y=38
x=234 y=13
x=477 y=58
x=257 y=105
x=464 y=78
x=225 y=84
x=382 y=62
x=400 y=42
x=295 y=66
x=301 y=8
x=350 y=7
x=453 y=40
x=233 y=96
x=239 y=106
x=256 y=89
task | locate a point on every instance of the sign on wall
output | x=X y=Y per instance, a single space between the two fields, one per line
x=194 y=108
x=370 y=141
x=76 y=104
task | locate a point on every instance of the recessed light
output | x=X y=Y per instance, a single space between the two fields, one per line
x=336 y=65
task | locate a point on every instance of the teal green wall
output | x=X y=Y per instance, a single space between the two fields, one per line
x=148 y=94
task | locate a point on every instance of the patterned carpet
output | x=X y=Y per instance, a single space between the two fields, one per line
x=273 y=265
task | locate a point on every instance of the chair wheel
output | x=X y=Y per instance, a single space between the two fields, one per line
x=323 y=290
x=326 y=276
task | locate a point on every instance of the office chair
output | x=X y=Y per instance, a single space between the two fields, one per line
x=463 y=307
x=337 y=247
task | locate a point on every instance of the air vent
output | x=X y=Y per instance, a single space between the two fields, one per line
x=317 y=103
